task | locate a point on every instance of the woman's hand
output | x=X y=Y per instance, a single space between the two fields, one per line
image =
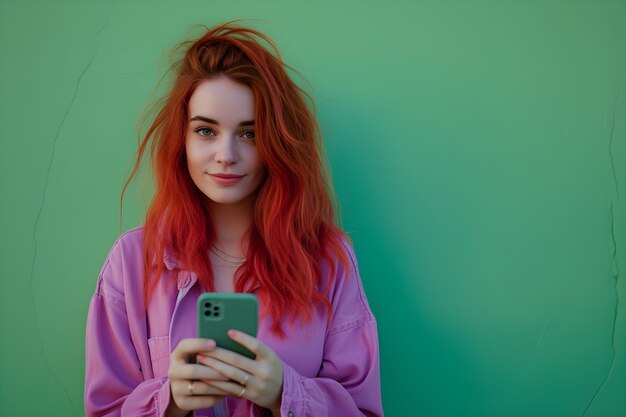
x=188 y=389
x=259 y=380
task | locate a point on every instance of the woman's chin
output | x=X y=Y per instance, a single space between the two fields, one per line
x=229 y=200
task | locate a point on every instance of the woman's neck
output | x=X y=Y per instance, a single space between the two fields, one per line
x=231 y=222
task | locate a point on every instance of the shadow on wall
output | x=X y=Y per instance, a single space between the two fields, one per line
x=422 y=363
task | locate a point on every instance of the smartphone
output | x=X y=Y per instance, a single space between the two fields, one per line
x=220 y=312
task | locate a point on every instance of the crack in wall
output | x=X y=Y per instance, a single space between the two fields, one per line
x=615 y=264
x=549 y=323
x=615 y=184
x=38 y=218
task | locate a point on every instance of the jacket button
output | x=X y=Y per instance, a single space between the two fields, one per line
x=290 y=414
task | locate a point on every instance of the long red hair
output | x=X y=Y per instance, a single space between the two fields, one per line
x=293 y=229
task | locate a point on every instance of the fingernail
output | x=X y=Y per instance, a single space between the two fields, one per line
x=210 y=343
x=232 y=333
x=200 y=357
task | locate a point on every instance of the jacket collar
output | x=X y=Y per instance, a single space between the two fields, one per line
x=185 y=279
x=170 y=261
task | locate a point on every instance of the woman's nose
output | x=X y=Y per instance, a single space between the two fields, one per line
x=226 y=152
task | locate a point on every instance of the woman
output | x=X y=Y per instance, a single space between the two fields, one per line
x=242 y=204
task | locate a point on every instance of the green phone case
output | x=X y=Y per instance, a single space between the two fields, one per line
x=219 y=312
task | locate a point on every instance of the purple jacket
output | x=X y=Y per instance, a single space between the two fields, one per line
x=329 y=370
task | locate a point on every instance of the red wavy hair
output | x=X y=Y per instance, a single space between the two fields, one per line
x=293 y=229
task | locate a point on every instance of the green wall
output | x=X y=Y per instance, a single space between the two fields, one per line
x=478 y=150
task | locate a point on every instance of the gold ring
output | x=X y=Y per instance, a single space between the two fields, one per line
x=243 y=391
x=245 y=380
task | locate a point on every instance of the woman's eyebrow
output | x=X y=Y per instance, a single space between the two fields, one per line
x=215 y=122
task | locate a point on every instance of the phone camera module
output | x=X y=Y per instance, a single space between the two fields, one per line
x=212 y=310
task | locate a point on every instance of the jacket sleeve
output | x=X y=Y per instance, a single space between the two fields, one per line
x=348 y=383
x=114 y=382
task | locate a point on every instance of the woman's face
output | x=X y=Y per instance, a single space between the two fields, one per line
x=222 y=157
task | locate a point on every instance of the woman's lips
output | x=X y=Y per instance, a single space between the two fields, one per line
x=226 y=179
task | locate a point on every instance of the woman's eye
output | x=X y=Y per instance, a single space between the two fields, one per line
x=203 y=128
x=250 y=132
